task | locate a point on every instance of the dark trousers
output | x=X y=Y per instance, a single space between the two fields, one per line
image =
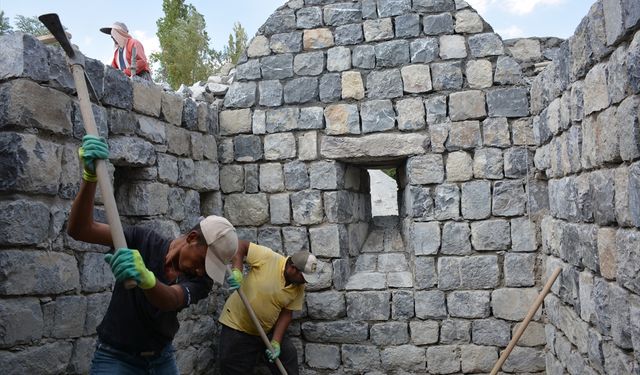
x=239 y=353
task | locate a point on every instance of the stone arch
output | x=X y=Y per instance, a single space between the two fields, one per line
x=329 y=87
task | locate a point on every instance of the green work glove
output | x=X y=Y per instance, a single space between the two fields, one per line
x=235 y=279
x=92 y=148
x=276 y=351
x=128 y=264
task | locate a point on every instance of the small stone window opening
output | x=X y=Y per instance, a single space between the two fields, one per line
x=384 y=192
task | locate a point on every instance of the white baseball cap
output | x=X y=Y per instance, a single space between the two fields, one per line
x=307 y=264
x=222 y=240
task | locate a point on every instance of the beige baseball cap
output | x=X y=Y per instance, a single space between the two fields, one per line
x=116 y=25
x=307 y=264
x=222 y=240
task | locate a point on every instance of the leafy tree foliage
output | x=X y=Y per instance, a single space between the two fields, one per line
x=236 y=44
x=185 y=56
x=4 y=23
x=31 y=25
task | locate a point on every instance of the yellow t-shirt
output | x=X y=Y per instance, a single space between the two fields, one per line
x=265 y=290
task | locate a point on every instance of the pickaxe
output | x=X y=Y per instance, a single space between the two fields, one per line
x=76 y=63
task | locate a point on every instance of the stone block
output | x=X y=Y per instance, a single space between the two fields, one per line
x=411 y=114
x=95 y=273
x=26 y=104
x=487 y=44
x=493 y=234
x=360 y=357
x=342 y=119
x=469 y=304
x=309 y=17
x=425 y=169
x=425 y=272
x=21 y=321
x=447 y=202
x=478 y=359
x=147 y=97
x=407 y=25
x=270 y=93
x=455 y=238
x=118 y=89
x=479 y=73
x=463 y=135
x=317 y=39
x=57 y=272
x=171 y=107
x=495 y=131
x=392 y=54
x=322 y=356
x=468 y=22
x=368 y=305
x=476 y=200
x=405 y=357
x=30 y=164
x=459 y=167
x=455 y=331
x=24 y=56
x=378 y=29
x=377 y=116
x=446 y=76
x=519 y=269
x=307 y=207
x=301 y=90
x=424 y=50
x=443 y=359
x=246 y=209
x=384 y=84
x=47 y=359
x=326 y=175
x=328 y=241
x=513 y=303
x=493 y=332
x=451 y=46
x=508 y=102
x=389 y=333
x=430 y=304
x=281 y=21
x=509 y=198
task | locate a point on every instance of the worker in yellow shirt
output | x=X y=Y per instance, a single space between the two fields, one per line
x=274 y=286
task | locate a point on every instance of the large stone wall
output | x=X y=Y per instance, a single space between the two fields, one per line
x=588 y=132
x=503 y=176
x=54 y=290
x=330 y=89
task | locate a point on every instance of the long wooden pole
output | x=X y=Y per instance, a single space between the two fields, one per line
x=255 y=320
x=525 y=322
x=76 y=64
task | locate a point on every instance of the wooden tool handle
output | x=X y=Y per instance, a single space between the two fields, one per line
x=255 y=320
x=532 y=310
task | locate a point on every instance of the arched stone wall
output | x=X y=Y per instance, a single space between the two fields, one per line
x=329 y=89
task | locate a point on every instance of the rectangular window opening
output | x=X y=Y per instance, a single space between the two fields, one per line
x=384 y=192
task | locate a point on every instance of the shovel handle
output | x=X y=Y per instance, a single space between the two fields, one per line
x=256 y=322
x=115 y=226
x=532 y=310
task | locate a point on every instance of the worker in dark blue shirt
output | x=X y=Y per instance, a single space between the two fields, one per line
x=136 y=332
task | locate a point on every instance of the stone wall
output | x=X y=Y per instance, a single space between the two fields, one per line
x=330 y=89
x=588 y=131
x=54 y=290
x=502 y=176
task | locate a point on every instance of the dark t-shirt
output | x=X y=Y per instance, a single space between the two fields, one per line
x=132 y=323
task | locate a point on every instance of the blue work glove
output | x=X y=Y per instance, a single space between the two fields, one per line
x=92 y=148
x=128 y=264
x=235 y=279
x=276 y=351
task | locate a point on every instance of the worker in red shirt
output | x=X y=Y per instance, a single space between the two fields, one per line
x=124 y=45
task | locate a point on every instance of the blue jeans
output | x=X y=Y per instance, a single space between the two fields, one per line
x=108 y=360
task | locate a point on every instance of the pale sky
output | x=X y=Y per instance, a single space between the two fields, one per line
x=83 y=18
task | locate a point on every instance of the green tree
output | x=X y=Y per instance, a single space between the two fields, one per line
x=30 y=25
x=185 y=56
x=236 y=44
x=4 y=23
